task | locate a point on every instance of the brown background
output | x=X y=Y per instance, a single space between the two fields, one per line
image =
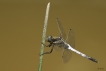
x=21 y=25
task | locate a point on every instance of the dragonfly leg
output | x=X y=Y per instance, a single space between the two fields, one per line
x=47 y=52
x=46 y=45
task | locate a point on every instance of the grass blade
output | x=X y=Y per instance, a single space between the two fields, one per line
x=44 y=36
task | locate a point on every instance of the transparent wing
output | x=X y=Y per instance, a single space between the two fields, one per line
x=66 y=55
x=70 y=38
x=62 y=32
x=57 y=48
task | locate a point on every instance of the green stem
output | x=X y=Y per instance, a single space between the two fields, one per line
x=44 y=36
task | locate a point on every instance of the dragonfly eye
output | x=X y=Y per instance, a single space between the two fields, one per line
x=49 y=38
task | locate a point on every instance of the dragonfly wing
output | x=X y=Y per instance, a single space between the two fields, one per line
x=66 y=55
x=57 y=48
x=70 y=38
x=62 y=32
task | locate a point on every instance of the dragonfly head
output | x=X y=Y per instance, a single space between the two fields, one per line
x=49 y=38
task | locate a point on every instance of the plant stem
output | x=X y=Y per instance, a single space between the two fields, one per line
x=44 y=36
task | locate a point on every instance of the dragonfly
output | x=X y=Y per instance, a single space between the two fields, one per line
x=67 y=44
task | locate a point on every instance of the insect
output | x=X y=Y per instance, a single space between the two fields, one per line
x=67 y=44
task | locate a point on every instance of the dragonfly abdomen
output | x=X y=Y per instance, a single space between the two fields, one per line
x=82 y=54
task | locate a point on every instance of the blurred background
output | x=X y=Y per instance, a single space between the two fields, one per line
x=21 y=27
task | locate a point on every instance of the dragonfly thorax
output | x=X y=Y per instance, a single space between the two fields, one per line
x=52 y=39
